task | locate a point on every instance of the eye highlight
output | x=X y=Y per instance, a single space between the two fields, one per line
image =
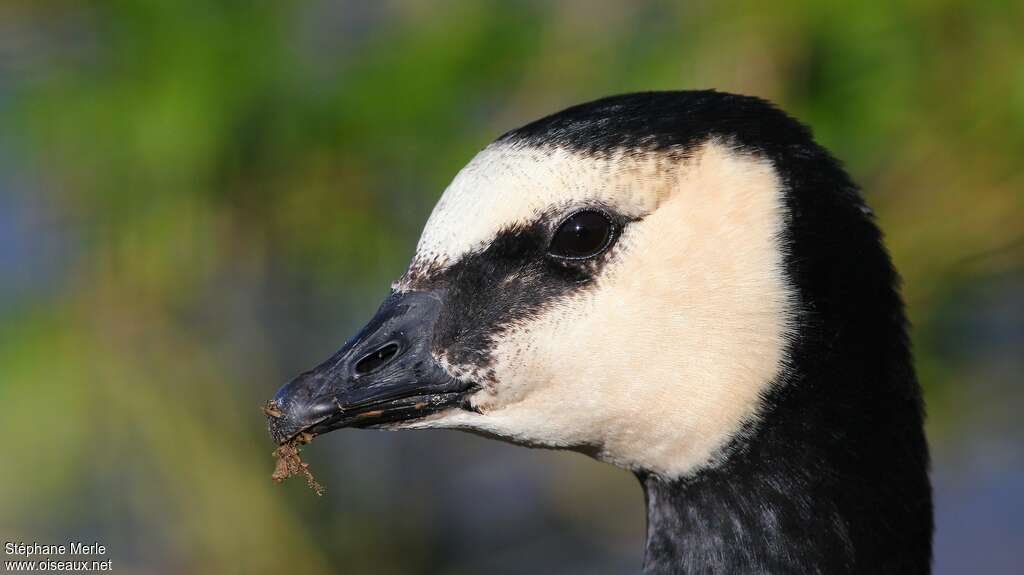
x=582 y=235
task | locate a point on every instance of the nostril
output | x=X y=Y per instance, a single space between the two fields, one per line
x=376 y=359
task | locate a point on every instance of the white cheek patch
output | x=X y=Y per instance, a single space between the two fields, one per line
x=667 y=358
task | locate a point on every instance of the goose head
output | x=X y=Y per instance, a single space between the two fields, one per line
x=681 y=284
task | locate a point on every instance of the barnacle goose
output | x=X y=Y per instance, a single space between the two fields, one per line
x=681 y=284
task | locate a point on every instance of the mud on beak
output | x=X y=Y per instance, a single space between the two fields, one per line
x=385 y=374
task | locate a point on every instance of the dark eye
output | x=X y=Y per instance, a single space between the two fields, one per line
x=583 y=235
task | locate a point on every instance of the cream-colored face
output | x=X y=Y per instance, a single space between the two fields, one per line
x=665 y=356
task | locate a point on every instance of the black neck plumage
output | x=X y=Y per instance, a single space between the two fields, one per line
x=805 y=493
x=757 y=524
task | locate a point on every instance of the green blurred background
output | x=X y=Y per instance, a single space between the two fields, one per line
x=200 y=199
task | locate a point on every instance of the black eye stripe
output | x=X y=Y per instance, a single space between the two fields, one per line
x=513 y=278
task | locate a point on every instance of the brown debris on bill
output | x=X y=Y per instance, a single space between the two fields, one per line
x=271 y=410
x=289 y=463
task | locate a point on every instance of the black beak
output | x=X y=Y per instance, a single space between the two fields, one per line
x=385 y=374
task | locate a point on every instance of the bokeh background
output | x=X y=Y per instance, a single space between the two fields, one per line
x=199 y=199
